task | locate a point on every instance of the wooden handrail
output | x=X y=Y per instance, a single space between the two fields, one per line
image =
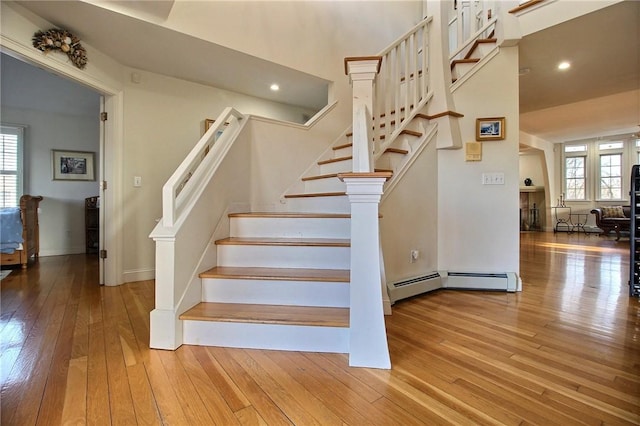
x=524 y=6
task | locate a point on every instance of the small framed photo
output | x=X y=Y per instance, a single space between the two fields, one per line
x=73 y=165
x=490 y=129
x=208 y=122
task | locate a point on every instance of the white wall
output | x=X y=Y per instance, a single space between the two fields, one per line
x=547 y=152
x=410 y=220
x=58 y=114
x=479 y=224
x=531 y=167
x=164 y=118
x=313 y=37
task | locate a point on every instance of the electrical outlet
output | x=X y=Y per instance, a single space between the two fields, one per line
x=137 y=181
x=414 y=256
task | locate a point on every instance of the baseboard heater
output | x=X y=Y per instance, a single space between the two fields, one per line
x=454 y=281
x=414 y=286
x=480 y=281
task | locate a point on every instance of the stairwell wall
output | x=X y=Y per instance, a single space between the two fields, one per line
x=164 y=119
x=410 y=220
x=479 y=224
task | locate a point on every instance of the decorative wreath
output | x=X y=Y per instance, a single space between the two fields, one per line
x=63 y=40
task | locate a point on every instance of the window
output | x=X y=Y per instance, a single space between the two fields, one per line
x=610 y=170
x=11 y=140
x=611 y=177
x=575 y=178
x=575 y=167
x=598 y=170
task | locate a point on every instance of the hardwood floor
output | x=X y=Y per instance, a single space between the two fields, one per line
x=564 y=351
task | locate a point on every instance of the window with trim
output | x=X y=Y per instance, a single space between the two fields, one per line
x=599 y=169
x=11 y=143
x=575 y=172
x=610 y=170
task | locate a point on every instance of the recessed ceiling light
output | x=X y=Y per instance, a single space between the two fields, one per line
x=564 y=65
x=275 y=87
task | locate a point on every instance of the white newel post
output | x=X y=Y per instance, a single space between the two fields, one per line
x=362 y=72
x=368 y=337
x=165 y=327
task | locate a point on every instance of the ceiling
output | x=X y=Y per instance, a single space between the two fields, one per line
x=146 y=46
x=593 y=98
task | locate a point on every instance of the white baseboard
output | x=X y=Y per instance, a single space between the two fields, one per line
x=61 y=251
x=138 y=275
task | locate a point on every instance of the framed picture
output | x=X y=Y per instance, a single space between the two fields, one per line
x=490 y=129
x=73 y=165
x=208 y=122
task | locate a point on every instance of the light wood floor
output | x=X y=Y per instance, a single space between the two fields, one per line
x=565 y=351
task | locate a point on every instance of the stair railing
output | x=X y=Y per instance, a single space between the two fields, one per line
x=402 y=86
x=182 y=187
x=483 y=32
x=468 y=17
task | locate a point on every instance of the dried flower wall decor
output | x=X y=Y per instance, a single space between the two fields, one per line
x=64 y=41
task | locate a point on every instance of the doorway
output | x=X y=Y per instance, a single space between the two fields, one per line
x=59 y=113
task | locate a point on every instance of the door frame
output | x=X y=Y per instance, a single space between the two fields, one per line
x=111 y=154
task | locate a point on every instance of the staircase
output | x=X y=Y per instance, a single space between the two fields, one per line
x=479 y=49
x=282 y=283
x=322 y=190
x=282 y=280
x=309 y=277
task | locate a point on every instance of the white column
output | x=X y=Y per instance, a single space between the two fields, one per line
x=165 y=327
x=362 y=72
x=368 y=338
x=449 y=136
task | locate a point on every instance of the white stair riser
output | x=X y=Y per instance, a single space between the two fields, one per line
x=461 y=69
x=319 y=204
x=266 y=336
x=284 y=256
x=482 y=50
x=395 y=160
x=342 y=152
x=268 y=227
x=336 y=167
x=384 y=162
x=276 y=292
x=324 y=185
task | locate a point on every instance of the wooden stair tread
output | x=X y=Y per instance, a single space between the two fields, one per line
x=396 y=151
x=475 y=44
x=327 y=176
x=334 y=160
x=304 y=242
x=464 y=61
x=405 y=132
x=441 y=114
x=316 y=194
x=280 y=274
x=292 y=215
x=346 y=145
x=268 y=314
